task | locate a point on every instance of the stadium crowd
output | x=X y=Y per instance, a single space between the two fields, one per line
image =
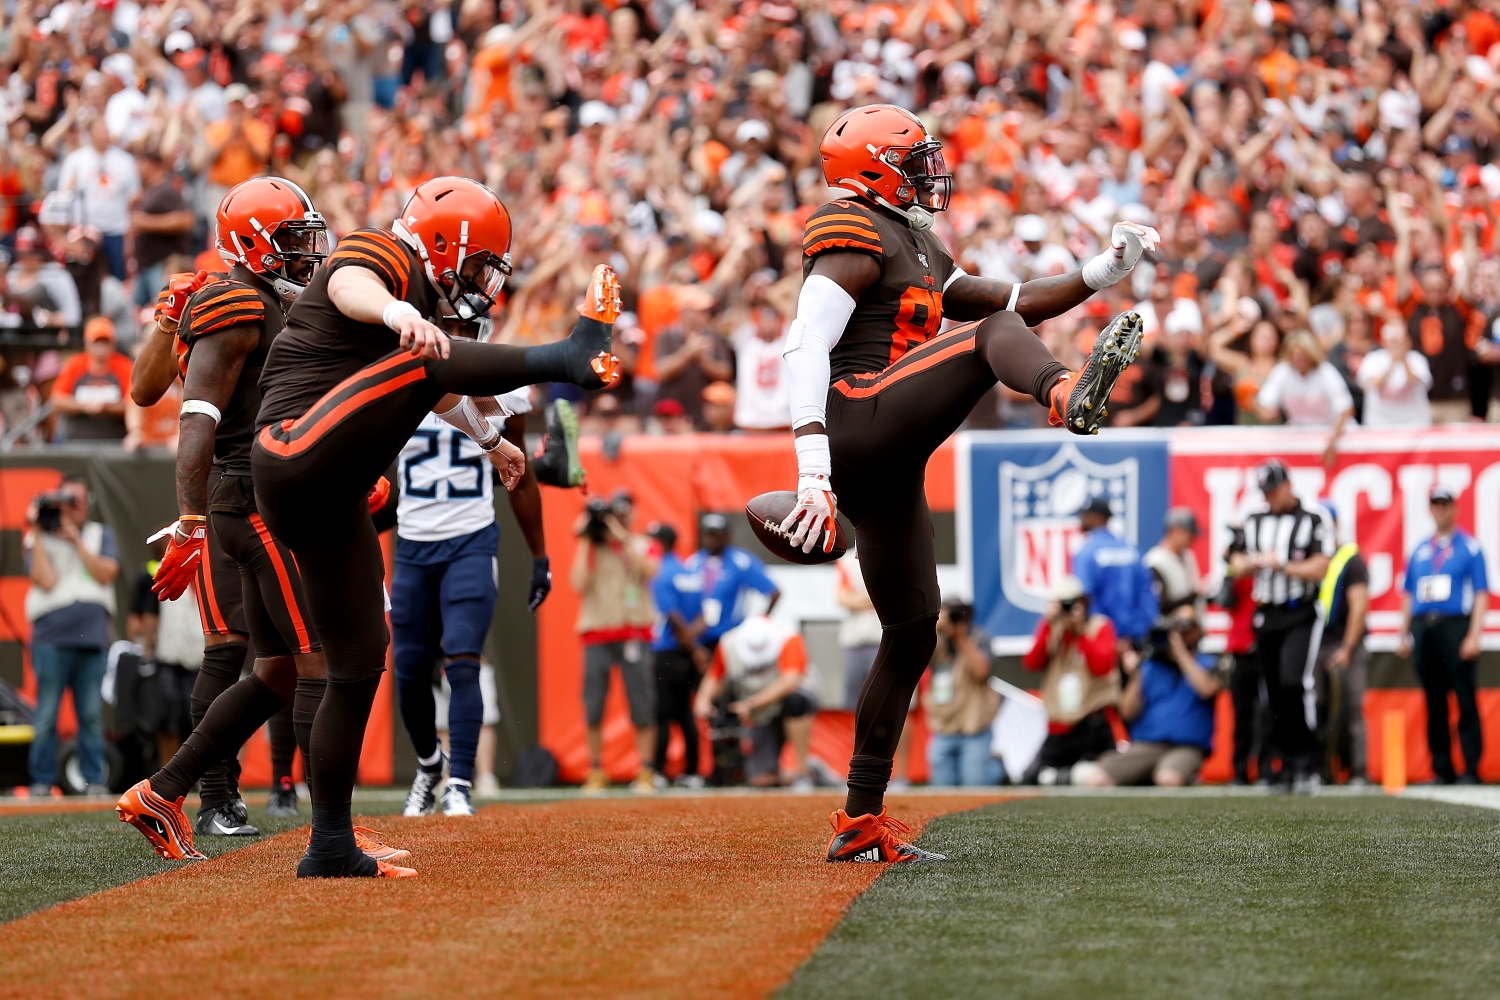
x=1319 y=174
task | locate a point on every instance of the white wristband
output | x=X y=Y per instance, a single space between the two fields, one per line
x=201 y=406
x=395 y=310
x=813 y=458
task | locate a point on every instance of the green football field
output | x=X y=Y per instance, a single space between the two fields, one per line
x=1186 y=895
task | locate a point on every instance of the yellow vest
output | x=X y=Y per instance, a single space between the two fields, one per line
x=1330 y=585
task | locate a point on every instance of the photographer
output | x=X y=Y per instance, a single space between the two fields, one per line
x=1169 y=704
x=73 y=563
x=1075 y=651
x=612 y=571
x=960 y=703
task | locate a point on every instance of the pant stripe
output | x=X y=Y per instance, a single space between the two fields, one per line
x=213 y=618
x=296 y=436
x=289 y=595
x=918 y=361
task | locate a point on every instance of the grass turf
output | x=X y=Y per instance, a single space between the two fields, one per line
x=52 y=857
x=709 y=898
x=1189 y=897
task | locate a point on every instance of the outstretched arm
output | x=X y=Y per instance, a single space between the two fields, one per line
x=970 y=298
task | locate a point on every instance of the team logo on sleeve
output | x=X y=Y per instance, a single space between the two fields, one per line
x=1039 y=507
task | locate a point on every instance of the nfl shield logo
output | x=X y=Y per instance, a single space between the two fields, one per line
x=1039 y=507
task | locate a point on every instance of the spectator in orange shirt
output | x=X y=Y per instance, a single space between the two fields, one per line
x=92 y=387
x=239 y=147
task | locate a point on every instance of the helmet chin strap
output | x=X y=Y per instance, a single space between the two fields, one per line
x=917 y=217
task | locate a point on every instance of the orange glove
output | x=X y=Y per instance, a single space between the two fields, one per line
x=380 y=495
x=179 y=566
x=174 y=298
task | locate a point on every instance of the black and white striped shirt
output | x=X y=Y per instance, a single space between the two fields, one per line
x=1292 y=537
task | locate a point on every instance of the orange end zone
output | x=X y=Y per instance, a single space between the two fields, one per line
x=702 y=897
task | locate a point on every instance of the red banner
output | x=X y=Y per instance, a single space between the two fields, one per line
x=1378 y=482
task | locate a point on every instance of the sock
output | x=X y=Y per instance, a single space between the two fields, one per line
x=433 y=761
x=465 y=717
x=414 y=698
x=283 y=745
x=868 y=778
x=222 y=666
x=338 y=733
x=231 y=720
x=304 y=710
x=568 y=360
x=331 y=851
x=1046 y=378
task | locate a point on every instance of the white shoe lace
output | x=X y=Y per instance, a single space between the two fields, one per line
x=420 y=799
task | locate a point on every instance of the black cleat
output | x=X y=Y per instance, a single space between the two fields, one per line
x=283 y=800
x=558 y=463
x=224 y=819
x=1079 y=398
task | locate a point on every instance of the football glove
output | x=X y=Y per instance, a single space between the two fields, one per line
x=379 y=495
x=184 y=555
x=814 y=520
x=541 y=583
x=174 y=298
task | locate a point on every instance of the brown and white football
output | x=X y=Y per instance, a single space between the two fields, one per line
x=767 y=511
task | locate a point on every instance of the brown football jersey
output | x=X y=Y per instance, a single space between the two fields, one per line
x=904 y=309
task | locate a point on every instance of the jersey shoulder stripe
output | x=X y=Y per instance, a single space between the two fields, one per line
x=841 y=225
x=220 y=304
x=378 y=251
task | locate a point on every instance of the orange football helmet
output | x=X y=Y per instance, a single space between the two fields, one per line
x=884 y=153
x=269 y=225
x=461 y=231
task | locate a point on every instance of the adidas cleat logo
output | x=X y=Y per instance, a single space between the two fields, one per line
x=869 y=854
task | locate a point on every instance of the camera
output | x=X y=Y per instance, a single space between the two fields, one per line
x=1159 y=639
x=596 y=529
x=49 y=508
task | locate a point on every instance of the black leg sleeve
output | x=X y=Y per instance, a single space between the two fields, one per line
x=221 y=669
x=283 y=744
x=231 y=720
x=304 y=710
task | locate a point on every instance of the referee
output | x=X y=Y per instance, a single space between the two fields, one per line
x=1443 y=603
x=1288 y=547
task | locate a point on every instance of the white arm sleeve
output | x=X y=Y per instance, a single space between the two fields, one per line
x=823 y=310
x=467 y=419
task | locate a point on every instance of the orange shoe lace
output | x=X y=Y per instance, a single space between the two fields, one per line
x=364 y=839
x=891 y=832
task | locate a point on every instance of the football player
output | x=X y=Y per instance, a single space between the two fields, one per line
x=359 y=365
x=876 y=387
x=444 y=589
x=273 y=239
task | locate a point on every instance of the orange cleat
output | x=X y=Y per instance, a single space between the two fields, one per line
x=607 y=367
x=164 y=823
x=602 y=299
x=388 y=870
x=1079 y=398
x=364 y=839
x=874 y=839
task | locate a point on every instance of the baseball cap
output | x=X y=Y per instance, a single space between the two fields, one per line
x=1098 y=505
x=1271 y=475
x=1031 y=229
x=713 y=522
x=236 y=92
x=1069 y=588
x=1441 y=494
x=1182 y=517
x=663 y=533
x=752 y=128
x=99 y=328
x=668 y=408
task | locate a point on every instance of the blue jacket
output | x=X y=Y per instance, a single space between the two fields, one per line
x=674 y=589
x=1172 y=712
x=1118 y=584
x=722 y=584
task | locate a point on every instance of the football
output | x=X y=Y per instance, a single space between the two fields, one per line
x=767 y=511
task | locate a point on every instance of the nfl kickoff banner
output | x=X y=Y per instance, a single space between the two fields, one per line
x=1018 y=495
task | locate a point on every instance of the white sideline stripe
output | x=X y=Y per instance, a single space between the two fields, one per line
x=1478 y=796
